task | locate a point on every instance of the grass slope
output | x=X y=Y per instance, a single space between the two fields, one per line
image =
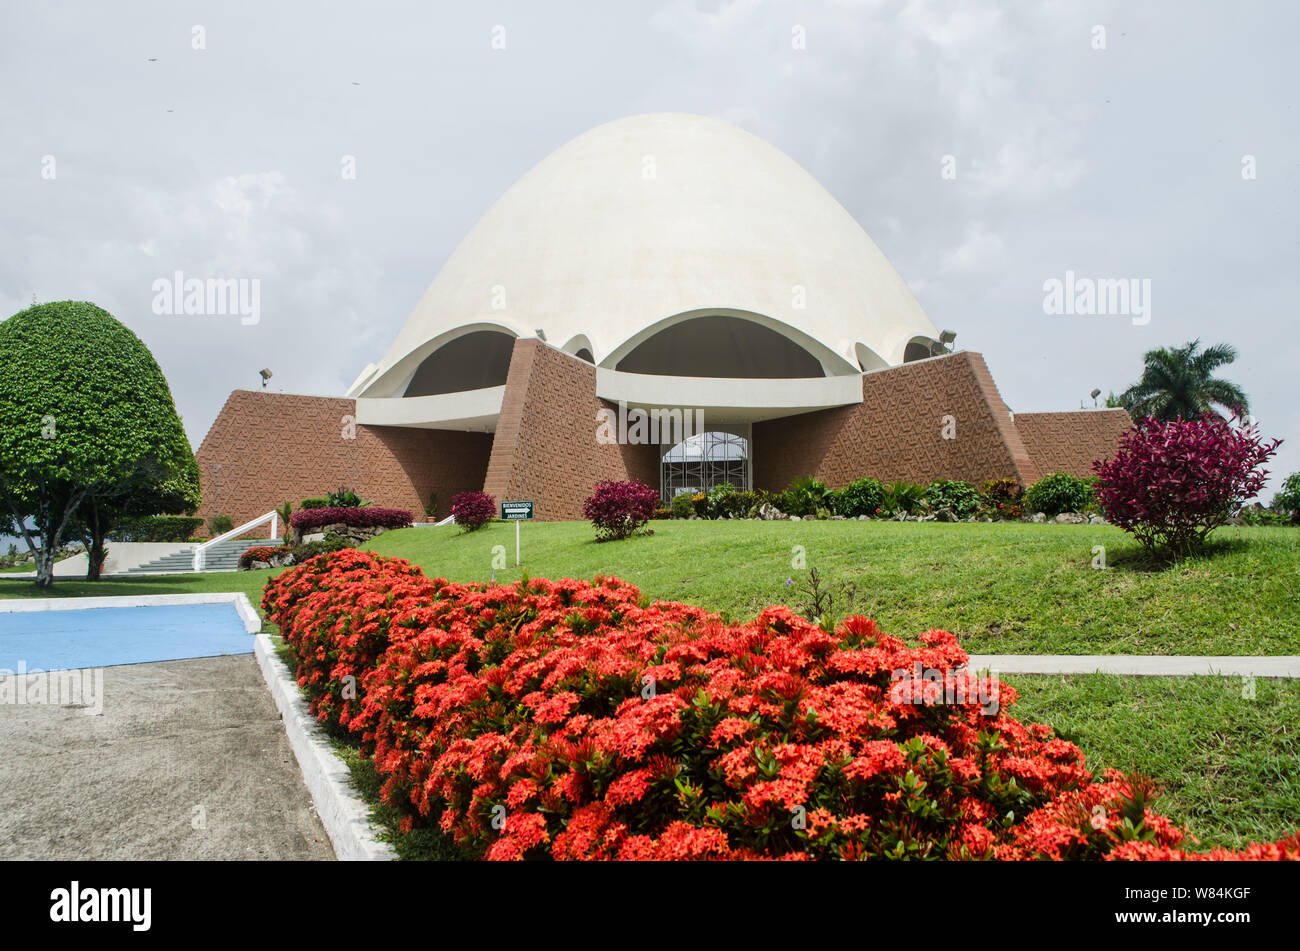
x=1229 y=765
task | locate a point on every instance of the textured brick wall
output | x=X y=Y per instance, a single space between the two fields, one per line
x=545 y=447
x=897 y=431
x=268 y=448
x=1070 y=441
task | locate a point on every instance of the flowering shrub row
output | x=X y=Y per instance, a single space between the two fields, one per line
x=371 y=516
x=572 y=720
x=260 y=553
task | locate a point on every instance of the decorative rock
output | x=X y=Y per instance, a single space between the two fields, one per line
x=1097 y=520
x=944 y=514
x=862 y=518
x=1070 y=518
x=769 y=512
x=795 y=518
x=313 y=537
x=837 y=518
x=1038 y=517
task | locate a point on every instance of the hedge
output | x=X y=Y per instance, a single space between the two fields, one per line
x=572 y=720
x=304 y=520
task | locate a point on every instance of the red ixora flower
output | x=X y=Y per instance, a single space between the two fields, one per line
x=569 y=719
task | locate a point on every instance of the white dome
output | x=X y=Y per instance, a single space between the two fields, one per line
x=646 y=222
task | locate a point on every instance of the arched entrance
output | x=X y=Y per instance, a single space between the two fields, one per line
x=708 y=459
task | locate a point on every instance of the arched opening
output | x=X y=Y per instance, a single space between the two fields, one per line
x=868 y=359
x=919 y=348
x=585 y=354
x=473 y=362
x=705 y=460
x=721 y=346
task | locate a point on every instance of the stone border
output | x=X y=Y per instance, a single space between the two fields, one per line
x=344 y=814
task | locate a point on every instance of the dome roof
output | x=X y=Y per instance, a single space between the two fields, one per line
x=647 y=222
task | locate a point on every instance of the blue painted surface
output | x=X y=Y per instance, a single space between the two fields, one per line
x=104 y=637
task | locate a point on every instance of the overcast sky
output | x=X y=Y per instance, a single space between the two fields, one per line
x=225 y=161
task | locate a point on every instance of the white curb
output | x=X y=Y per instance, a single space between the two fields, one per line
x=342 y=812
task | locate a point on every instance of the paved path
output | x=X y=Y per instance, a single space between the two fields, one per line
x=188 y=760
x=1139 y=665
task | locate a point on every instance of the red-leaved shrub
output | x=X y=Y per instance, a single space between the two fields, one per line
x=473 y=510
x=570 y=720
x=370 y=516
x=618 y=509
x=1171 y=484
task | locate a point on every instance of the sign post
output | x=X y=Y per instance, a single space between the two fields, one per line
x=516 y=512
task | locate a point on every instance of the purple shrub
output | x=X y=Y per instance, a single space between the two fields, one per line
x=473 y=510
x=1171 y=484
x=370 y=516
x=618 y=509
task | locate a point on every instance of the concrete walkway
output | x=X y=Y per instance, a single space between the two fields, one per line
x=187 y=760
x=1138 y=665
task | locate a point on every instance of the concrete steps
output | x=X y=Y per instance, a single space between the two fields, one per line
x=220 y=557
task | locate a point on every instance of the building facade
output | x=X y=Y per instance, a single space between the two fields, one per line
x=666 y=298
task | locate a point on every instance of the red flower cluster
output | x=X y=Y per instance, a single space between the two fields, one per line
x=337 y=611
x=369 y=516
x=572 y=720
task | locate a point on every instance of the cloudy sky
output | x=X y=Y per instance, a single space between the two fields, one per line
x=1113 y=140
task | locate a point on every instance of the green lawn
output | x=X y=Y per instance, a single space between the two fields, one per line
x=1001 y=587
x=1229 y=765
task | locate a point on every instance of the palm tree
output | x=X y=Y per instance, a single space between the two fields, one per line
x=1177 y=382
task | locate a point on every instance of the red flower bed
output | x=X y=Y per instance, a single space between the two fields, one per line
x=260 y=553
x=570 y=720
x=338 y=611
x=370 y=516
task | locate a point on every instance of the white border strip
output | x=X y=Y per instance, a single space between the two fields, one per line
x=1144 y=665
x=343 y=813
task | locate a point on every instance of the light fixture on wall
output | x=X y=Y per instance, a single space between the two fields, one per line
x=541 y=334
x=265 y=374
x=1094 y=394
x=944 y=344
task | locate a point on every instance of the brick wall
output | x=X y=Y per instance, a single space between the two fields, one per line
x=268 y=448
x=897 y=431
x=545 y=447
x=1070 y=441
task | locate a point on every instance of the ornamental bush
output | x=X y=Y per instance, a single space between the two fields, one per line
x=861 y=497
x=372 y=516
x=1004 y=498
x=804 y=497
x=682 y=506
x=618 y=509
x=961 y=497
x=1057 y=493
x=1171 y=484
x=473 y=510
x=155 y=528
x=722 y=500
x=1287 y=500
x=260 y=553
x=599 y=727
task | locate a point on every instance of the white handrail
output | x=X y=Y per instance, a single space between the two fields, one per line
x=201 y=551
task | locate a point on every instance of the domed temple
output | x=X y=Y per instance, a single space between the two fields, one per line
x=668 y=298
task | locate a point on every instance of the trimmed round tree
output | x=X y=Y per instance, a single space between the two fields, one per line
x=85 y=414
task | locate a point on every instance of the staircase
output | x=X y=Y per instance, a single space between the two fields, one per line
x=223 y=556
